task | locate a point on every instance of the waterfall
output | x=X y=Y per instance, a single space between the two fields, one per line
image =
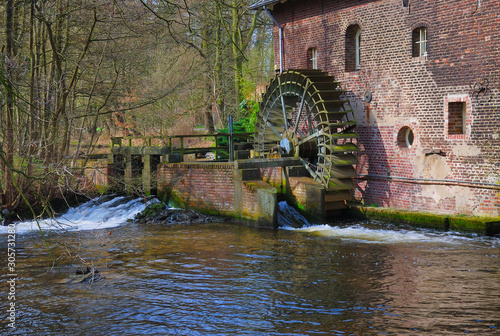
x=99 y=213
x=288 y=217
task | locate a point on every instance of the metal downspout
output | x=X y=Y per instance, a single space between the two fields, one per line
x=280 y=36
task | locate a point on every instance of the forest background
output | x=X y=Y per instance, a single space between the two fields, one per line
x=76 y=72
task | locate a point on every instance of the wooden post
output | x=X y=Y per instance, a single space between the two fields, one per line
x=216 y=146
x=146 y=174
x=128 y=172
x=182 y=147
x=230 y=138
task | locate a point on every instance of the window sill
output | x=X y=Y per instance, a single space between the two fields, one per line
x=457 y=137
x=419 y=59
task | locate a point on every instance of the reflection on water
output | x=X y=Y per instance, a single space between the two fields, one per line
x=224 y=279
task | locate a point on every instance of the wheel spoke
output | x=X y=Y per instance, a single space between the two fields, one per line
x=310 y=137
x=283 y=107
x=302 y=100
x=275 y=131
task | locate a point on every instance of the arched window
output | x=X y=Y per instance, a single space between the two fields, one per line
x=352 y=48
x=312 y=58
x=419 y=42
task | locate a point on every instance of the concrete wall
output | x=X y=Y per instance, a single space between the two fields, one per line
x=462 y=66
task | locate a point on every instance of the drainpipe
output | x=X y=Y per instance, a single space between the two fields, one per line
x=280 y=36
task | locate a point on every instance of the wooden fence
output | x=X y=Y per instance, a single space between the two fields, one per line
x=233 y=140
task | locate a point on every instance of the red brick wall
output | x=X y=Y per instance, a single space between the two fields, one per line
x=250 y=206
x=273 y=176
x=463 y=61
x=201 y=186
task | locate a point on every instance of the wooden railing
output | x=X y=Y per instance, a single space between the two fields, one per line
x=182 y=149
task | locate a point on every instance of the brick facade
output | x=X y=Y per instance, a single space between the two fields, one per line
x=199 y=186
x=453 y=162
x=219 y=189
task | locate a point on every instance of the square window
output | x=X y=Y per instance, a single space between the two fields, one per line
x=457 y=116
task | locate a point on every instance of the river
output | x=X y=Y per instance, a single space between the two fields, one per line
x=344 y=278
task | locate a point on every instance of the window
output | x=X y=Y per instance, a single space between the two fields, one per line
x=405 y=137
x=312 y=58
x=457 y=116
x=352 y=48
x=358 y=43
x=419 y=42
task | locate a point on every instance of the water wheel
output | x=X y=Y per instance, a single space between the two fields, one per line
x=306 y=114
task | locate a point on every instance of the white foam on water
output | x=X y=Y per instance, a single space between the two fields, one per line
x=98 y=213
x=290 y=219
x=359 y=233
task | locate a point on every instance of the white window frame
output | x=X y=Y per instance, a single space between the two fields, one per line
x=358 y=45
x=422 y=41
x=407 y=137
x=314 y=58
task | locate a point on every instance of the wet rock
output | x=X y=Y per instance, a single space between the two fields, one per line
x=158 y=213
x=5 y=222
x=85 y=271
x=6 y=212
x=89 y=275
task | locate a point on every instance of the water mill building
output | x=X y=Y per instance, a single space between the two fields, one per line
x=422 y=79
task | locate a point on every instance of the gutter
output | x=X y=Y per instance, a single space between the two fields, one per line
x=280 y=36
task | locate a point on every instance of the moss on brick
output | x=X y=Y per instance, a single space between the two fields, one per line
x=468 y=224
x=420 y=219
x=486 y=226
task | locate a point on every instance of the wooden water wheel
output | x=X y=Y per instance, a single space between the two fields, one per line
x=306 y=114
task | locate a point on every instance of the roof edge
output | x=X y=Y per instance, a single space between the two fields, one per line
x=268 y=3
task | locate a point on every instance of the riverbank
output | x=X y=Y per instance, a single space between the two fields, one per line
x=468 y=224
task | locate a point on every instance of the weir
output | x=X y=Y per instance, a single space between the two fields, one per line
x=134 y=168
x=247 y=188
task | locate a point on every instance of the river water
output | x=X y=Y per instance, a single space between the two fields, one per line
x=344 y=278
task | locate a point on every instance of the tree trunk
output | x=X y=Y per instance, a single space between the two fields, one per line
x=8 y=161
